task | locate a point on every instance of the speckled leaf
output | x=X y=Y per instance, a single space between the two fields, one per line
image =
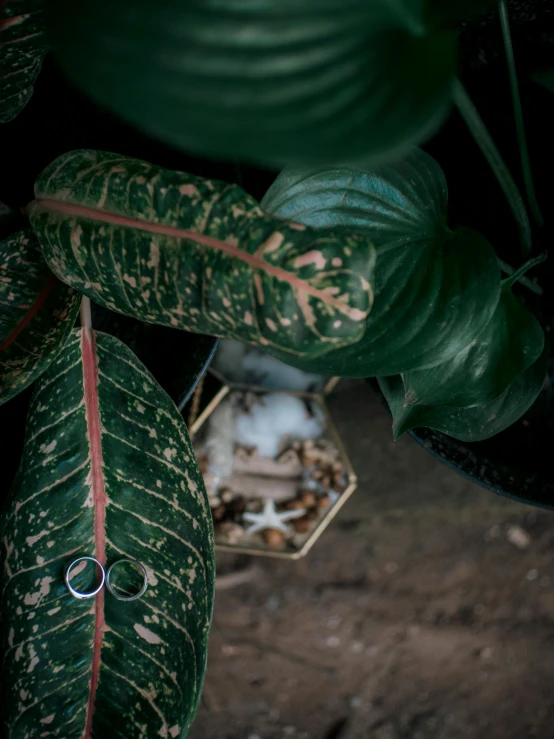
x=37 y=313
x=467 y=424
x=434 y=290
x=278 y=81
x=107 y=470
x=511 y=341
x=196 y=254
x=23 y=45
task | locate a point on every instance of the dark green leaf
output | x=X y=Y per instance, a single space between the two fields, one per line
x=545 y=77
x=511 y=341
x=434 y=290
x=279 y=81
x=23 y=44
x=37 y=313
x=467 y=424
x=170 y=248
x=108 y=470
x=448 y=11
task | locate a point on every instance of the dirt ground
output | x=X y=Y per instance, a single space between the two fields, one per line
x=415 y=616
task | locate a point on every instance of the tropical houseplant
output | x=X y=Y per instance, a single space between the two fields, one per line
x=348 y=265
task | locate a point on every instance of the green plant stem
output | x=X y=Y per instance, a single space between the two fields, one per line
x=86 y=314
x=492 y=155
x=518 y=274
x=518 y=115
x=525 y=281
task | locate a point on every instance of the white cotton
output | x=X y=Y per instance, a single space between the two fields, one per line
x=248 y=365
x=273 y=416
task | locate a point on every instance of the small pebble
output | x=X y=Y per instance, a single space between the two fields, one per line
x=227 y=496
x=485 y=653
x=532 y=575
x=333 y=622
x=308 y=499
x=274 y=538
x=333 y=641
x=518 y=537
x=493 y=533
x=302 y=525
x=391 y=568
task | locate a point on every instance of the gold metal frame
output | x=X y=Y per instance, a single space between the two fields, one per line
x=333 y=434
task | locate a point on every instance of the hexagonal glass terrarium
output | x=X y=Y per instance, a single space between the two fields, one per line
x=275 y=469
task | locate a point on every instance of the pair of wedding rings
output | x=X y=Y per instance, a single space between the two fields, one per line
x=105 y=579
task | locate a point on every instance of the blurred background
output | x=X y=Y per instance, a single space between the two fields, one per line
x=425 y=610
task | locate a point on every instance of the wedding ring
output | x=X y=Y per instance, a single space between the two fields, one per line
x=77 y=593
x=119 y=596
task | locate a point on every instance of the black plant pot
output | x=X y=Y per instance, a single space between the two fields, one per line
x=518 y=461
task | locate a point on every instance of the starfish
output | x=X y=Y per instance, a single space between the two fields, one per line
x=271 y=519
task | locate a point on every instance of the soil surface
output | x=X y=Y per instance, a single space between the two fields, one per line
x=425 y=611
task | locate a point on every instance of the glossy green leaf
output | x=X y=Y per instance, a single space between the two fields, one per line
x=23 y=44
x=279 y=81
x=108 y=470
x=37 y=313
x=200 y=255
x=467 y=424
x=511 y=341
x=435 y=290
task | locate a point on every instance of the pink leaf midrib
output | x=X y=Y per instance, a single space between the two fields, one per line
x=90 y=384
x=59 y=206
x=31 y=313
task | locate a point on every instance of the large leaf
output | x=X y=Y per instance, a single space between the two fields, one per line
x=23 y=45
x=279 y=81
x=108 y=470
x=511 y=341
x=37 y=313
x=196 y=254
x=434 y=290
x=467 y=424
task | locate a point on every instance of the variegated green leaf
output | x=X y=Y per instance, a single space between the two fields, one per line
x=108 y=470
x=23 y=45
x=174 y=249
x=467 y=424
x=37 y=313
